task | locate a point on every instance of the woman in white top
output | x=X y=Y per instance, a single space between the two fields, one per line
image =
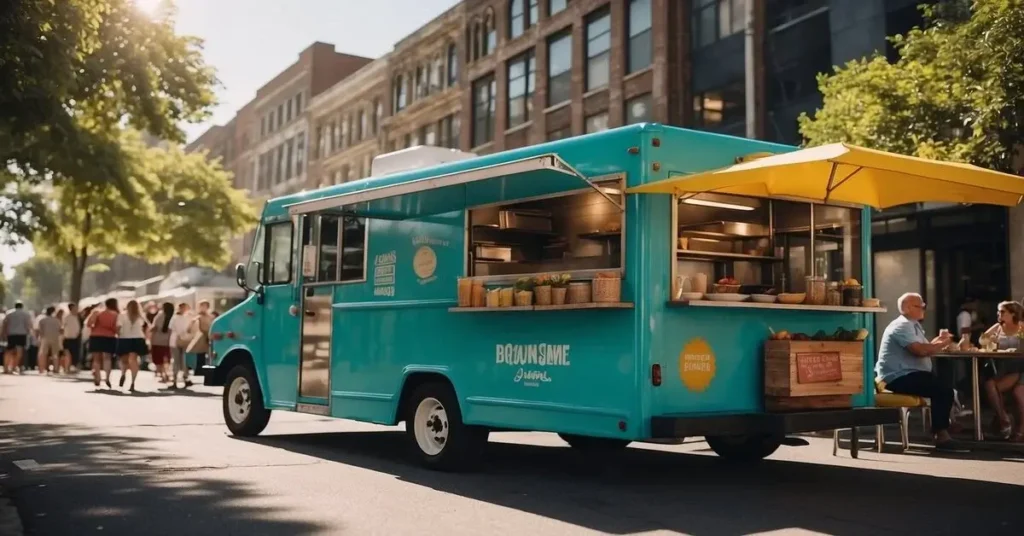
x=131 y=342
x=180 y=339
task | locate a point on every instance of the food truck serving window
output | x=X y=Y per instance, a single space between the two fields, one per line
x=578 y=230
x=339 y=246
x=764 y=245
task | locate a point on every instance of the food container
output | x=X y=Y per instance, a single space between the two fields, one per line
x=505 y=297
x=479 y=298
x=465 y=292
x=727 y=289
x=834 y=296
x=542 y=295
x=853 y=295
x=494 y=298
x=816 y=290
x=792 y=298
x=684 y=242
x=558 y=295
x=871 y=302
x=700 y=283
x=607 y=289
x=579 y=292
x=524 y=298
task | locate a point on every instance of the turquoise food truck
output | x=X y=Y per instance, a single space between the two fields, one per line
x=354 y=308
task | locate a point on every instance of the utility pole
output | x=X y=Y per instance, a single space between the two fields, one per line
x=749 y=89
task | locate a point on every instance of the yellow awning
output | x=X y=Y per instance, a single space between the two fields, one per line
x=844 y=173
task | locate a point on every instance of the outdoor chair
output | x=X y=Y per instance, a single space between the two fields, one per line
x=888 y=399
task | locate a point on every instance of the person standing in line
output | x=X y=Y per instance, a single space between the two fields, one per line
x=103 y=340
x=131 y=343
x=72 y=338
x=179 y=342
x=160 y=341
x=16 y=329
x=86 y=317
x=48 y=334
x=151 y=311
x=3 y=338
x=200 y=331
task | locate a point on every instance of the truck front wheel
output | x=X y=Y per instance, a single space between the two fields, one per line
x=244 y=412
x=744 y=448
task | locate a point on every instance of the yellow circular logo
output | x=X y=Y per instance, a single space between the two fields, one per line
x=697 y=365
x=424 y=263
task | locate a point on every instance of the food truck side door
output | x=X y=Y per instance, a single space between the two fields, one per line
x=281 y=319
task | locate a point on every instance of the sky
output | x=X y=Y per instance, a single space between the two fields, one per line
x=250 y=41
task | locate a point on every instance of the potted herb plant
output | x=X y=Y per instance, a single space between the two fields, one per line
x=542 y=289
x=559 y=288
x=524 y=291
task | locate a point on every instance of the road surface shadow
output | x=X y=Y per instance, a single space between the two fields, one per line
x=87 y=481
x=158 y=393
x=644 y=490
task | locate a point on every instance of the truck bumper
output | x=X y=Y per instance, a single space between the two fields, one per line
x=770 y=423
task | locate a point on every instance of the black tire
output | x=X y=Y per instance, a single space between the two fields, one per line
x=464 y=445
x=594 y=444
x=744 y=449
x=258 y=416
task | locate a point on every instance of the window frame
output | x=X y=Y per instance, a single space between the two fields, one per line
x=269 y=244
x=551 y=7
x=631 y=37
x=528 y=60
x=586 y=122
x=592 y=19
x=649 y=97
x=699 y=9
x=452 y=67
x=556 y=38
x=492 y=107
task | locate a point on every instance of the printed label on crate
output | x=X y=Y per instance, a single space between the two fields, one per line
x=697 y=365
x=819 y=367
x=384 y=274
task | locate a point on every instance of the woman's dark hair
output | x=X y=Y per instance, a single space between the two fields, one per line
x=111 y=304
x=168 y=310
x=1015 y=309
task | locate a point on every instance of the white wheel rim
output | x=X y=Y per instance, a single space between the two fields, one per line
x=430 y=425
x=239 y=400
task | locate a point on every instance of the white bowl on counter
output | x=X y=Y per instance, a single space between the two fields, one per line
x=691 y=296
x=764 y=298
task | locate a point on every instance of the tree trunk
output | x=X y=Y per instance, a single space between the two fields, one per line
x=79 y=260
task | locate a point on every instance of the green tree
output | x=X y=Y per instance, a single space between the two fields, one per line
x=180 y=206
x=39 y=281
x=956 y=93
x=72 y=74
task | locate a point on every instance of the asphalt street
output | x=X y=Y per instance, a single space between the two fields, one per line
x=80 y=460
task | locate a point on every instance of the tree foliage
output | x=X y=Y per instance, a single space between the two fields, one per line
x=179 y=206
x=73 y=73
x=956 y=92
x=38 y=282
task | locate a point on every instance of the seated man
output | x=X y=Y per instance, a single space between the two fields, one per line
x=904 y=364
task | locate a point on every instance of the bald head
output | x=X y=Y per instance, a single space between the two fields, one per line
x=911 y=305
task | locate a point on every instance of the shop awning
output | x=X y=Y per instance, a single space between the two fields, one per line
x=847 y=174
x=509 y=181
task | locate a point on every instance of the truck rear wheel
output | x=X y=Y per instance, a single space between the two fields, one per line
x=594 y=444
x=439 y=438
x=744 y=448
x=244 y=412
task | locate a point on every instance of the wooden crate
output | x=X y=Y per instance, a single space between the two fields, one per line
x=814 y=373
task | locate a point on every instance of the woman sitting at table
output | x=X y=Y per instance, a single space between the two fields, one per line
x=1001 y=375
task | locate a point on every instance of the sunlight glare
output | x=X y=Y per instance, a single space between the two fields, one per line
x=149 y=7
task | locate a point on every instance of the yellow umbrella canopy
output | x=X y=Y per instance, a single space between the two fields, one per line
x=848 y=174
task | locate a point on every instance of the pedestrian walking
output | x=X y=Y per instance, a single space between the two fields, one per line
x=16 y=330
x=180 y=340
x=200 y=331
x=131 y=343
x=103 y=340
x=160 y=341
x=72 y=325
x=48 y=334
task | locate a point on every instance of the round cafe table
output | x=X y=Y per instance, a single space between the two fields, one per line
x=974 y=356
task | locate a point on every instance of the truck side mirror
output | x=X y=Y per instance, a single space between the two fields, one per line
x=241 y=276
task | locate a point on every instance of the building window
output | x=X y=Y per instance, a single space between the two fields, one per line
x=639 y=45
x=560 y=134
x=491 y=34
x=484 y=104
x=720 y=109
x=429 y=134
x=422 y=81
x=407 y=141
x=289 y=158
x=318 y=142
x=476 y=40
x=522 y=14
x=717 y=19
x=378 y=115
x=352 y=139
x=280 y=115
x=300 y=153
x=288 y=111
x=453 y=64
x=596 y=122
x=599 y=42
x=263 y=126
x=450 y=131
x=298 y=104
x=521 y=82
x=279 y=165
x=555 y=6
x=437 y=74
x=560 y=68
x=399 y=92
x=344 y=137
x=639 y=110
x=361 y=126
